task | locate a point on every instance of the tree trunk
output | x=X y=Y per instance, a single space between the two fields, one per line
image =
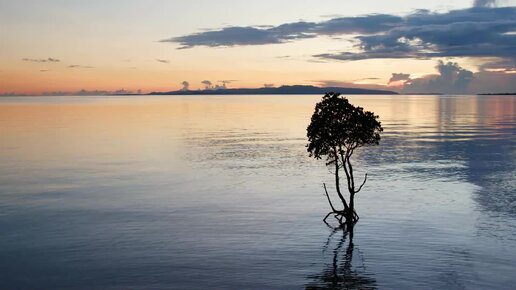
x=350 y=217
x=337 y=181
x=348 y=214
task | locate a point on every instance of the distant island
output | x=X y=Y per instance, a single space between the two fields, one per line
x=283 y=90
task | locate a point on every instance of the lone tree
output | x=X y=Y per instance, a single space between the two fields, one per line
x=337 y=129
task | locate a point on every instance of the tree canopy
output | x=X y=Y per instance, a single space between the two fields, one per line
x=337 y=124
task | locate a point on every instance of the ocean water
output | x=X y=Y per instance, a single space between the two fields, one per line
x=218 y=192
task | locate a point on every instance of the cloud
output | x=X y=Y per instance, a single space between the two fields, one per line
x=396 y=77
x=268 y=85
x=229 y=36
x=259 y=35
x=186 y=86
x=163 y=60
x=507 y=65
x=50 y=59
x=366 y=79
x=368 y=24
x=207 y=84
x=451 y=79
x=224 y=83
x=350 y=84
x=479 y=32
x=474 y=32
x=494 y=82
x=79 y=66
x=484 y=3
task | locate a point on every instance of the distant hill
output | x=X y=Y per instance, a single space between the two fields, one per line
x=283 y=90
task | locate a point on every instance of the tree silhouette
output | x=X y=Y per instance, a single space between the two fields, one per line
x=336 y=130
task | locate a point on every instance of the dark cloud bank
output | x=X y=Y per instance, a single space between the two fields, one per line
x=480 y=31
x=484 y=32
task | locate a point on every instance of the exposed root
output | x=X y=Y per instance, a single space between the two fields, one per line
x=341 y=217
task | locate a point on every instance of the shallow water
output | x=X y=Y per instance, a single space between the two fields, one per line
x=217 y=192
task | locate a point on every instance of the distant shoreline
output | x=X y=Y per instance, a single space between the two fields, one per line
x=283 y=90
x=498 y=94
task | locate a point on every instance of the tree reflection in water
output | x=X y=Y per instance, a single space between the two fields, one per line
x=341 y=274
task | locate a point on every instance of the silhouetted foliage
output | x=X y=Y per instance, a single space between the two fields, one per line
x=336 y=130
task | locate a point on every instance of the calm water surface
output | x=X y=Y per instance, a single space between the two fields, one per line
x=217 y=192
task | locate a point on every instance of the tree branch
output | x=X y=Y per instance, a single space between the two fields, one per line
x=365 y=179
x=337 y=179
x=351 y=177
x=328 y=196
x=348 y=177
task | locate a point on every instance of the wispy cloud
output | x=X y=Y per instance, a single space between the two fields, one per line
x=350 y=84
x=79 y=66
x=163 y=60
x=366 y=79
x=228 y=81
x=50 y=59
x=84 y=92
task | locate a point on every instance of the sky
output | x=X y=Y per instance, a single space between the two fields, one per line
x=450 y=46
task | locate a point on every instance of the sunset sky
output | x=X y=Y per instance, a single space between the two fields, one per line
x=443 y=46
